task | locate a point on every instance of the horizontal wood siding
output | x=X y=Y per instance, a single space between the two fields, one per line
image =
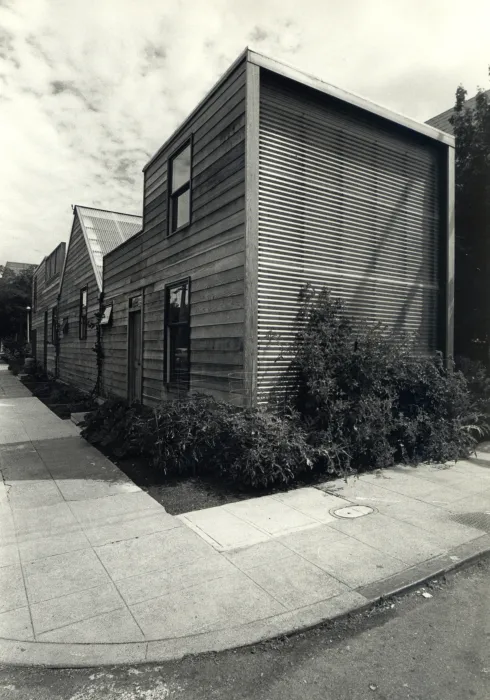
x=348 y=203
x=210 y=251
x=77 y=362
x=122 y=275
x=47 y=298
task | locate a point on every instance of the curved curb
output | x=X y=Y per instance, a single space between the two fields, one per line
x=57 y=655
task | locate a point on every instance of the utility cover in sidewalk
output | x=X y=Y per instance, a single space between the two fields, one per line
x=352 y=511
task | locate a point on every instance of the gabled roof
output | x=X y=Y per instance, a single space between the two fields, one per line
x=302 y=78
x=441 y=121
x=103 y=231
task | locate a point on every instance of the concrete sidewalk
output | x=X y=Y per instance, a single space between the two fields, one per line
x=94 y=571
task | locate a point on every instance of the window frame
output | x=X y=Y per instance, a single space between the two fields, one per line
x=169 y=384
x=82 y=317
x=186 y=187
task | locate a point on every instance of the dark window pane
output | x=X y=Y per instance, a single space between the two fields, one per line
x=181 y=168
x=178 y=304
x=174 y=305
x=178 y=354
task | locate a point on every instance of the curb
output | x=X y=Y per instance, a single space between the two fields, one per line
x=56 y=655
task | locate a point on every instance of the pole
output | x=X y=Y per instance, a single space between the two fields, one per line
x=28 y=323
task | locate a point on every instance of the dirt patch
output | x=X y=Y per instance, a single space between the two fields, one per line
x=181 y=495
x=60 y=398
x=178 y=495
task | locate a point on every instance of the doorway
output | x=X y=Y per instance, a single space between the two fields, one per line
x=135 y=343
x=45 y=348
x=34 y=344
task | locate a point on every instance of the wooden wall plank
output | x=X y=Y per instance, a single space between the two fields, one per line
x=77 y=361
x=211 y=251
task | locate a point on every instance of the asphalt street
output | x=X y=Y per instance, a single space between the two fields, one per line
x=429 y=644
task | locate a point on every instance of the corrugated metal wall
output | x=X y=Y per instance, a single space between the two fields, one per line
x=348 y=204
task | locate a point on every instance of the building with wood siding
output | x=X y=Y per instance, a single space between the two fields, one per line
x=45 y=290
x=276 y=179
x=94 y=233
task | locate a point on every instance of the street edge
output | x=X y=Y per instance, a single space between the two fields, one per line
x=56 y=655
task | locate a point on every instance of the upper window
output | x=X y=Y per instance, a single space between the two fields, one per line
x=82 y=320
x=34 y=294
x=180 y=189
x=177 y=335
x=54 y=325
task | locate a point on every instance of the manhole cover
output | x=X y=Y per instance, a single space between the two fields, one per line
x=352 y=511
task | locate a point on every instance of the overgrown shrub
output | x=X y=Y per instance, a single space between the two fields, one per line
x=371 y=398
x=360 y=399
x=248 y=447
x=260 y=449
x=116 y=425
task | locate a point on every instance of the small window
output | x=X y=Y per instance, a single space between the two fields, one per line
x=64 y=326
x=54 y=325
x=34 y=294
x=106 y=315
x=180 y=189
x=177 y=335
x=83 y=314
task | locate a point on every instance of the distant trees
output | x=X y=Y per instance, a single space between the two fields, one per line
x=15 y=296
x=472 y=274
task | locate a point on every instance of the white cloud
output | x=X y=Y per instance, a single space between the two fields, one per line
x=89 y=89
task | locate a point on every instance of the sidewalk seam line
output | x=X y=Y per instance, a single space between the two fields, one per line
x=119 y=593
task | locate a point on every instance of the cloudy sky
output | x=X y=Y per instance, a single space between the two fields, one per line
x=89 y=89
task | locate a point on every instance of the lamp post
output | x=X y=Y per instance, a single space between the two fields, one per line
x=28 y=309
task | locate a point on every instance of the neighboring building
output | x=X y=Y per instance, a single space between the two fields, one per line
x=472 y=262
x=276 y=179
x=18 y=267
x=94 y=233
x=45 y=289
x=442 y=121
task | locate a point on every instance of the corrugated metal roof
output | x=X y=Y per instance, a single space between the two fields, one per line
x=104 y=231
x=441 y=121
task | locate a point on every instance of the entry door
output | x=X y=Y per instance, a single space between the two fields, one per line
x=45 y=355
x=34 y=344
x=134 y=356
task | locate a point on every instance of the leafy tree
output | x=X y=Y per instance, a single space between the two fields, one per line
x=472 y=274
x=15 y=295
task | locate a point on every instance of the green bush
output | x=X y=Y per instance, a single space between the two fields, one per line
x=371 y=399
x=260 y=449
x=116 y=426
x=360 y=399
x=248 y=447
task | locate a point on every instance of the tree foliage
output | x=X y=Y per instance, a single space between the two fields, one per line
x=472 y=275
x=15 y=296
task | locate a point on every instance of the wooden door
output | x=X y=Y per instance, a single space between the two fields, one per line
x=34 y=344
x=134 y=356
x=45 y=354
